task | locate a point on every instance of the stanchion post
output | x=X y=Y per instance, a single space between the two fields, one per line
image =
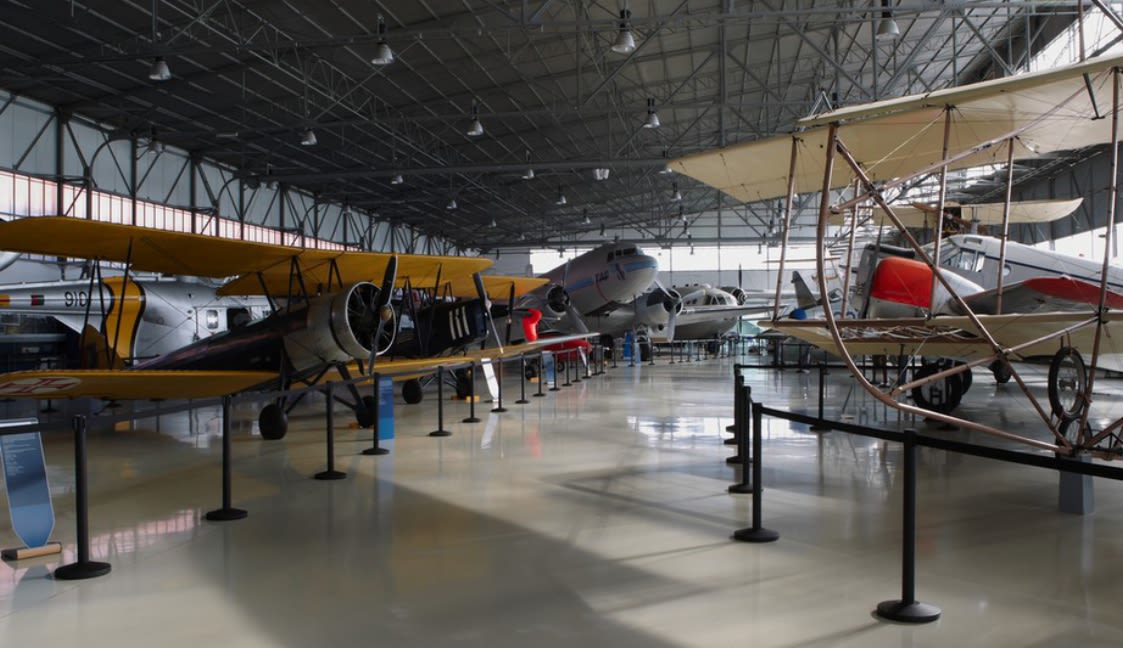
x=331 y=473
x=908 y=609
x=756 y=533
x=541 y=376
x=821 y=425
x=227 y=512
x=375 y=449
x=472 y=399
x=83 y=568
x=499 y=409
x=738 y=380
x=743 y=403
x=522 y=381
x=440 y=431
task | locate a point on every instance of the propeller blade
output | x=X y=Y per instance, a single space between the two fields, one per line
x=481 y=291
x=379 y=304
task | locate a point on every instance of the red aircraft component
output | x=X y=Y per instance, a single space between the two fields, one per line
x=903 y=281
x=530 y=324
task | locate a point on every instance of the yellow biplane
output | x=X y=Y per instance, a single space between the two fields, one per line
x=329 y=315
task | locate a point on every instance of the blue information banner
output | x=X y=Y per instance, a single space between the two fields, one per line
x=629 y=345
x=385 y=408
x=548 y=365
x=29 y=496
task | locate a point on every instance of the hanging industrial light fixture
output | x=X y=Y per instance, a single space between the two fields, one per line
x=676 y=195
x=475 y=129
x=625 y=43
x=652 y=117
x=383 y=55
x=309 y=138
x=561 y=197
x=397 y=179
x=887 y=28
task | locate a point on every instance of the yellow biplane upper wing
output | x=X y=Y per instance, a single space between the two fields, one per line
x=1054 y=110
x=498 y=286
x=182 y=253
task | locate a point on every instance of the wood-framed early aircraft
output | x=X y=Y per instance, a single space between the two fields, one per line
x=327 y=314
x=920 y=300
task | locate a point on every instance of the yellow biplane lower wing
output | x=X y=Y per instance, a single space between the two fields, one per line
x=128 y=385
x=143 y=384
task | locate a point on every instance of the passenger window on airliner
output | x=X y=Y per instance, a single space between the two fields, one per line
x=212 y=319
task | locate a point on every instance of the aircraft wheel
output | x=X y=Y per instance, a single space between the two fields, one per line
x=713 y=347
x=1068 y=379
x=607 y=341
x=559 y=364
x=938 y=395
x=364 y=415
x=531 y=371
x=272 y=422
x=645 y=351
x=1001 y=372
x=411 y=391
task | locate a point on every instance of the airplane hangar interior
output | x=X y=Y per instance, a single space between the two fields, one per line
x=561 y=323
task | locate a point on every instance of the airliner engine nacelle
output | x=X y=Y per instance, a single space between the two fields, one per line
x=656 y=308
x=740 y=295
x=340 y=327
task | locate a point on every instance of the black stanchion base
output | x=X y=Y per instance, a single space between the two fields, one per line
x=741 y=488
x=735 y=459
x=82 y=570
x=471 y=419
x=730 y=428
x=329 y=475
x=756 y=535
x=540 y=395
x=915 y=612
x=375 y=451
x=440 y=433
x=499 y=410
x=732 y=441
x=521 y=401
x=554 y=389
x=820 y=427
x=226 y=514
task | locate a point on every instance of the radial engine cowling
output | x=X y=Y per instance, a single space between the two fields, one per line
x=340 y=327
x=656 y=308
x=740 y=295
x=556 y=301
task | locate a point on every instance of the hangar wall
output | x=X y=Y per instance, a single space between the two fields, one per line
x=132 y=177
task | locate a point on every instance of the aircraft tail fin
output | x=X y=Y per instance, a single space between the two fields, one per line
x=804 y=297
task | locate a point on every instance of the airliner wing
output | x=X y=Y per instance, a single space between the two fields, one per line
x=699 y=314
x=1044 y=295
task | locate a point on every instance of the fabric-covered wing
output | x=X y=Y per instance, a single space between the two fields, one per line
x=498 y=286
x=956 y=337
x=898 y=137
x=129 y=385
x=182 y=253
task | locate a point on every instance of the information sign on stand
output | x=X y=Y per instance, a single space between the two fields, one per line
x=385 y=408
x=548 y=365
x=489 y=378
x=29 y=495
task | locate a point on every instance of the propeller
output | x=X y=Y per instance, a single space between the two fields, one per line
x=481 y=291
x=380 y=307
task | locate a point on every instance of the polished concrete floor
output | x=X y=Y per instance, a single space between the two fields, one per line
x=597 y=516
